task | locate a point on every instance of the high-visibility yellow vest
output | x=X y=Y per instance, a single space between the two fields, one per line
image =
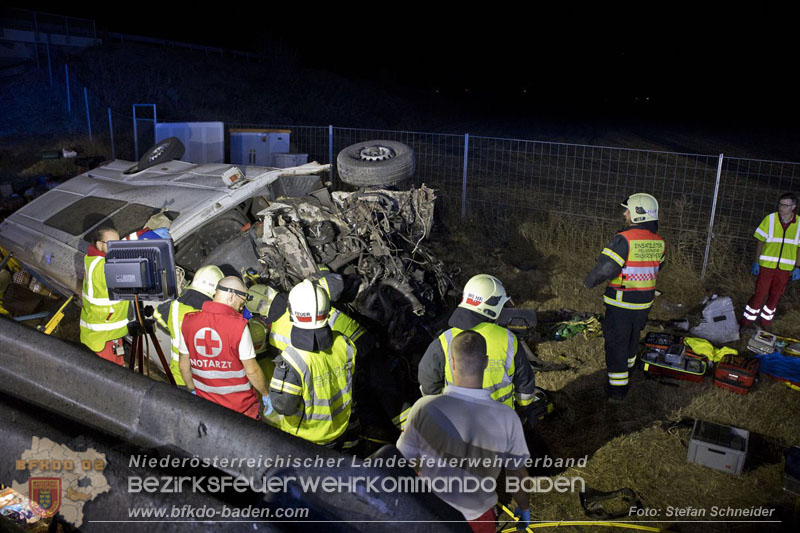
x=177 y=311
x=102 y=319
x=345 y=324
x=501 y=345
x=639 y=269
x=280 y=332
x=780 y=247
x=326 y=388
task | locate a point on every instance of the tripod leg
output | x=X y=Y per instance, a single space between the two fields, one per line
x=163 y=359
x=132 y=360
x=140 y=354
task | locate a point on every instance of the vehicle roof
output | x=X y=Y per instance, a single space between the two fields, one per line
x=176 y=186
x=196 y=192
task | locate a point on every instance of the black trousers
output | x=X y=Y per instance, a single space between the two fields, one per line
x=621 y=330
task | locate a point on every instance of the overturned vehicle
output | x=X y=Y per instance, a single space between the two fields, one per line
x=276 y=226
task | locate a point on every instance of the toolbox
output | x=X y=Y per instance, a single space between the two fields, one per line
x=661 y=340
x=736 y=373
x=717 y=446
x=687 y=367
x=762 y=342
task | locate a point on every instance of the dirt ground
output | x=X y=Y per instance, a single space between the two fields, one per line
x=641 y=444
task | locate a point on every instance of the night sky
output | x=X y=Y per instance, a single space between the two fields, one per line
x=665 y=59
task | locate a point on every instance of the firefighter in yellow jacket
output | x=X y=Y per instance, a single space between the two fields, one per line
x=631 y=262
x=169 y=315
x=104 y=322
x=508 y=377
x=312 y=385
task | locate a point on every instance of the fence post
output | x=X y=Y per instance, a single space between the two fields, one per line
x=88 y=118
x=711 y=221
x=36 y=39
x=49 y=63
x=135 y=136
x=69 y=103
x=111 y=132
x=464 y=180
x=330 y=144
x=330 y=151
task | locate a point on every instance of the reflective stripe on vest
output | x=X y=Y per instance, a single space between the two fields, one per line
x=102 y=319
x=280 y=332
x=639 y=269
x=345 y=325
x=223 y=390
x=160 y=319
x=401 y=420
x=327 y=390
x=177 y=311
x=90 y=290
x=780 y=247
x=212 y=337
x=619 y=302
x=645 y=251
x=501 y=345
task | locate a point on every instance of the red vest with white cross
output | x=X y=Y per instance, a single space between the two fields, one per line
x=212 y=337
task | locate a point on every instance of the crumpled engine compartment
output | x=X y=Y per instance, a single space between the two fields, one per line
x=374 y=238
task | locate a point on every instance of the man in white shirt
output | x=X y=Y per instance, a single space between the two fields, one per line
x=465 y=427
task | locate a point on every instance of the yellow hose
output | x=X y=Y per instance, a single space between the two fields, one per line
x=624 y=525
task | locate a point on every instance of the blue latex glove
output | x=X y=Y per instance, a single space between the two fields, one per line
x=755 y=269
x=267 y=403
x=163 y=233
x=796 y=274
x=524 y=518
x=247 y=314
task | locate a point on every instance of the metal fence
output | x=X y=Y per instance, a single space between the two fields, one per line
x=38 y=22
x=709 y=204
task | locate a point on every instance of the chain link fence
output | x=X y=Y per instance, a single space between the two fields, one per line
x=709 y=203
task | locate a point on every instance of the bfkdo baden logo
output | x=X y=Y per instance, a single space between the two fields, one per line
x=45 y=495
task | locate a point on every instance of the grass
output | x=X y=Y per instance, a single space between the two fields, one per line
x=542 y=260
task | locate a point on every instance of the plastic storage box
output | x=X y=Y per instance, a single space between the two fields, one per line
x=717 y=446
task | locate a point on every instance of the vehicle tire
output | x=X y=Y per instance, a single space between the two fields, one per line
x=376 y=163
x=166 y=150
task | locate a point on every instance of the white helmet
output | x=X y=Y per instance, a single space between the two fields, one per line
x=484 y=294
x=643 y=207
x=309 y=305
x=262 y=299
x=205 y=280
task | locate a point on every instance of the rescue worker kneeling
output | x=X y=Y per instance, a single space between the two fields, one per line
x=217 y=358
x=312 y=386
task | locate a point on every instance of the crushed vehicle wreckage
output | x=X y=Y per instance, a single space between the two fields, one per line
x=277 y=225
x=373 y=238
